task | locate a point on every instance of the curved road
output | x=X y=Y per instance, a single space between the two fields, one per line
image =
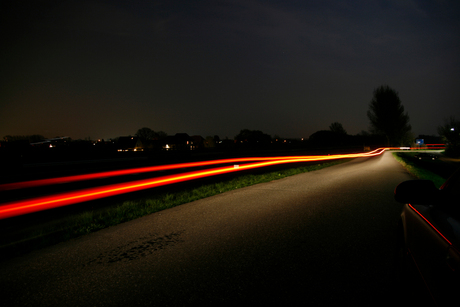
x=321 y=238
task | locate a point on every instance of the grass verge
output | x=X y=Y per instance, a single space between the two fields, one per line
x=415 y=168
x=90 y=221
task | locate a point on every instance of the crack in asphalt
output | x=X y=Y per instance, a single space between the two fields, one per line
x=140 y=248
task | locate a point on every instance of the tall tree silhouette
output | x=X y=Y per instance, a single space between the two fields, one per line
x=387 y=116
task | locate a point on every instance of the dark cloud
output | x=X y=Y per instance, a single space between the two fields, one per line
x=107 y=68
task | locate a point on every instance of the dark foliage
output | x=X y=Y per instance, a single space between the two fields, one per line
x=252 y=138
x=450 y=133
x=337 y=128
x=387 y=116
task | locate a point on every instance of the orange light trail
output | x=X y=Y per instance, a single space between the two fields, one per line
x=42 y=182
x=67 y=198
x=67 y=179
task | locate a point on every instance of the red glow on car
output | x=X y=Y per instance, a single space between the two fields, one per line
x=432 y=226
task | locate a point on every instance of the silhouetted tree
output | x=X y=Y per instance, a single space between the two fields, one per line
x=161 y=135
x=450 y=133
x=151 y=140
x=146 y=136
x=337 y=128
x=253 y=137
x=387 y=116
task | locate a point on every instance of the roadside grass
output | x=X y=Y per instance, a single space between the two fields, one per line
x=414 y=167
x=94 y=220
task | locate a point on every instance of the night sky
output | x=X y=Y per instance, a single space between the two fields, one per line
x=103 y=69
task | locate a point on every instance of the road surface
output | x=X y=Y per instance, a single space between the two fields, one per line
x=324 y=238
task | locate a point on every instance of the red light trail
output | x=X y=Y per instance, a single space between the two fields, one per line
x=67 y=179
x=432 y=226
x=20 y=207
x=42 y=182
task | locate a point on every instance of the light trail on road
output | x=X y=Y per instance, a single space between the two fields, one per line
x=67 y=179
x=21 y=207
x=75 y=178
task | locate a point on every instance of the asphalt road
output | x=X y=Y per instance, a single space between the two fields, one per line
x=322 y=238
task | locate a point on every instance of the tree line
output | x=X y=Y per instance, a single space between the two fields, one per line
x=389 y=126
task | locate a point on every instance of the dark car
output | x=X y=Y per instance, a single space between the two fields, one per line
x=425 y=156
x=430 y=236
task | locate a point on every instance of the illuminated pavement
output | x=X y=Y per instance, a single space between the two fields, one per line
x=324 y=238
x=35 y=204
